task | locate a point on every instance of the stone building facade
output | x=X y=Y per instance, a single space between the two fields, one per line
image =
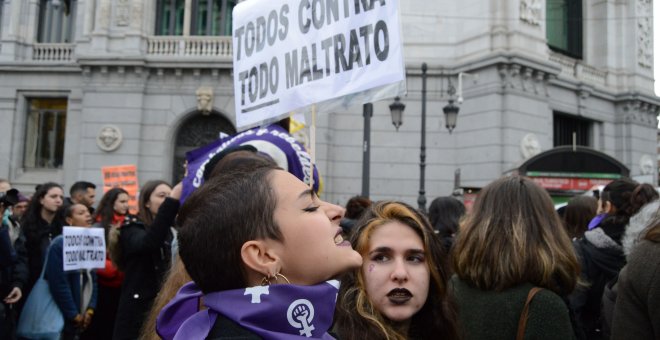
x=91 y=83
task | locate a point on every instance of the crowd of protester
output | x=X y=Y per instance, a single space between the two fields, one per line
x=255 y=253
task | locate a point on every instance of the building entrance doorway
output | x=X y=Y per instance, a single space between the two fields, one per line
x=197 y=131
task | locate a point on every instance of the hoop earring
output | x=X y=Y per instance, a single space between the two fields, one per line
x=282 y=276
x=268 y=280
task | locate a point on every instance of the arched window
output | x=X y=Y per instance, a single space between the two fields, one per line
x=195 y=132
x=564 y=26
x=207 y=17
x=56 y=21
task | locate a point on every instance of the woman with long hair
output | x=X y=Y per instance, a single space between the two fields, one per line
x=41 y=223
x=142 y=251
x=577 y=214
x=400 y=292
x=74 y=292
x=262 y=250
x=637 y=308
x=601 y=256
x=110 y=215
x=511 y=242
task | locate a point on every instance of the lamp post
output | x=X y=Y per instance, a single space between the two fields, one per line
x=451 y=115
x=367 y=113
x=421 y=199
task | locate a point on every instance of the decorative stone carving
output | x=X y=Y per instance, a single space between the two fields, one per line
x=646 y=164
x=123 y=13
x=640 y=112
x=109 y=138
x=204 y=99
x=527 y=79
x=137 y=14
x=530 y=11
x=644 y=34
x=539 y=82
x=530 y=146
x=102 y=15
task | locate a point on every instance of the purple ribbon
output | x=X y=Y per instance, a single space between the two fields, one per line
x=272 y=312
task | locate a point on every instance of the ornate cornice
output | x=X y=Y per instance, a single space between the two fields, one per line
x=639 y=111
x=524 y=78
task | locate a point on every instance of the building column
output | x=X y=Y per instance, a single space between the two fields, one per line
x=88 y=19
x=13 y=9
x=187 y=16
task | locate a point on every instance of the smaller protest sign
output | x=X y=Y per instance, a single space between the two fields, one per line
x=84 y=248
x=125 y=177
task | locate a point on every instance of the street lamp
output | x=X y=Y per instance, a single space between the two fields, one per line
x=451 y=115
x=396 y=109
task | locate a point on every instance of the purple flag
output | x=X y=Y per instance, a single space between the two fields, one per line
x=282 y=311
x=272 y=140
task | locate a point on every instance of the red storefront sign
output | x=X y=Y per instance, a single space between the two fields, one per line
x=562 y=183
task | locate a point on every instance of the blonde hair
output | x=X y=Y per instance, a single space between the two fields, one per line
x=358 y=318
x=512 y=236
x=177 y=276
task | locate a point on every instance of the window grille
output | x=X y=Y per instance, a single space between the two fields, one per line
x=565 y=125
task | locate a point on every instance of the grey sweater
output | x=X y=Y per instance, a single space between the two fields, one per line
x=637 y=308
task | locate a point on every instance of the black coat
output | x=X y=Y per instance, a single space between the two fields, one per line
x=145 y=256
x=225 y=328
x=16 y=274
x=38 y=239
x=601 y=258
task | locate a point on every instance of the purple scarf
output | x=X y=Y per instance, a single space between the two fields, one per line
x=280 y=311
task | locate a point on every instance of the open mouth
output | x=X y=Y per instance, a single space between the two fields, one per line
x=339 y=239
x=399 y=296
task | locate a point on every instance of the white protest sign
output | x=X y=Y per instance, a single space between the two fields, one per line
x=84 y=248
x=290 y=54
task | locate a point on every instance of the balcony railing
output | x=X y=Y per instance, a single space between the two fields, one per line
x=53 y=52
x=576 y=69
x=190 y=47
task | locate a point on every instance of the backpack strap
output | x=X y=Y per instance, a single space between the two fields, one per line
x=522 y=324
x=43 y=269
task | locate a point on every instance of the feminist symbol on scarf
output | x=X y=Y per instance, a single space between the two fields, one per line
x=256 y=293
x=300 y=315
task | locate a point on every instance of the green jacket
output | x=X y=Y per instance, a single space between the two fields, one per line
x=494 y=315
